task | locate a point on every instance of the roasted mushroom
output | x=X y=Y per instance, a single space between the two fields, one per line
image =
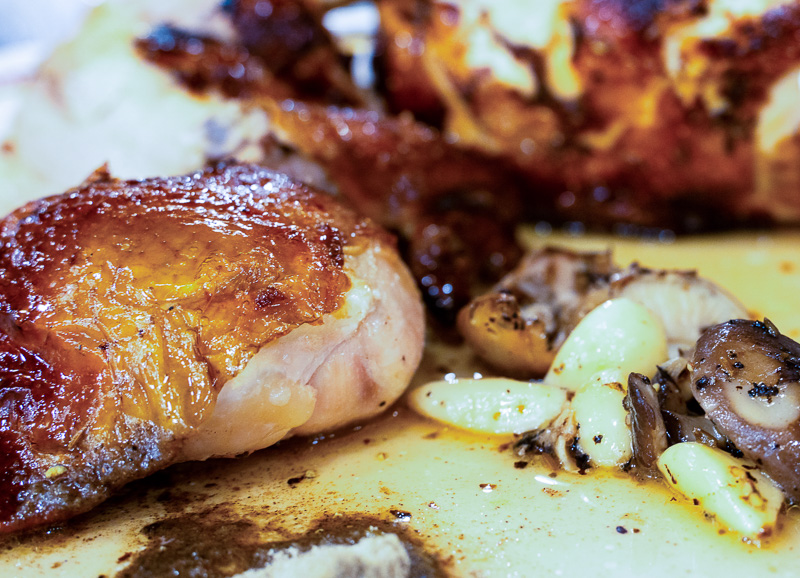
x=685 y=302
x=745 y=377
x=649 y=433
x=520 y=325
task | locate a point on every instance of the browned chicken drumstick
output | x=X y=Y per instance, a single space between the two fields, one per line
x=148 y=322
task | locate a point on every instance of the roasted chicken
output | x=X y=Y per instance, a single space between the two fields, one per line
x=148 y=322
x=679 y=114
x=398 y=171
x=619 y=114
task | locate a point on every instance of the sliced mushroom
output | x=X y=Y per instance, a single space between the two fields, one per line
x=745 y=377
x=674 y=385
x=682 y=427
x=649 y=433
x=558 y=277
x=684 y=419
x=559 y=440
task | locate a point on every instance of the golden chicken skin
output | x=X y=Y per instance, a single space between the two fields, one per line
x=154 y=321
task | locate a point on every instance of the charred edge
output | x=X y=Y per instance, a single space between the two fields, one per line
x=582 y=460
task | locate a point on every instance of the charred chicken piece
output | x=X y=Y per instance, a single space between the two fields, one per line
x=201 y=62
x=148 y=322
x=745 y=376
x=282 y=51
x=613 y=110
x=290 y=40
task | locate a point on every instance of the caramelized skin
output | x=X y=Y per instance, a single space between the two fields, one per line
x=397 y=171
x=432 y=193
x=629 y=148
x=633 y=146
x=283 y=52
x=126 y=306
x=289 y=38
x=199 y=62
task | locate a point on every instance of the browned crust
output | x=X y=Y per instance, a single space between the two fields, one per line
x=126 y=305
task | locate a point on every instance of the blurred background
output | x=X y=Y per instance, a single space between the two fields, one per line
x=30 y=28
x=25 y=21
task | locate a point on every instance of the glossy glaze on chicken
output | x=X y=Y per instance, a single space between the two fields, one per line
x=147 y=322
x=401 y=173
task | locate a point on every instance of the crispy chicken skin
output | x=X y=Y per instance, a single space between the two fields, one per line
x=148 y=322
x=659 y=114
x=396 y=170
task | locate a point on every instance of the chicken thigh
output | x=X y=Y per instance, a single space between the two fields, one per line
x=148 y=322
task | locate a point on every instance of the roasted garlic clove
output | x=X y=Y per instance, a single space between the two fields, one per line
x=605 y=436
x=730 y=489
x=491 y=405
x=615 y=339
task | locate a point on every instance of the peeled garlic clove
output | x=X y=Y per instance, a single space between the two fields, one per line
x=604 y=433
x=494 y=406
x=730 y=489
x=615 y=339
